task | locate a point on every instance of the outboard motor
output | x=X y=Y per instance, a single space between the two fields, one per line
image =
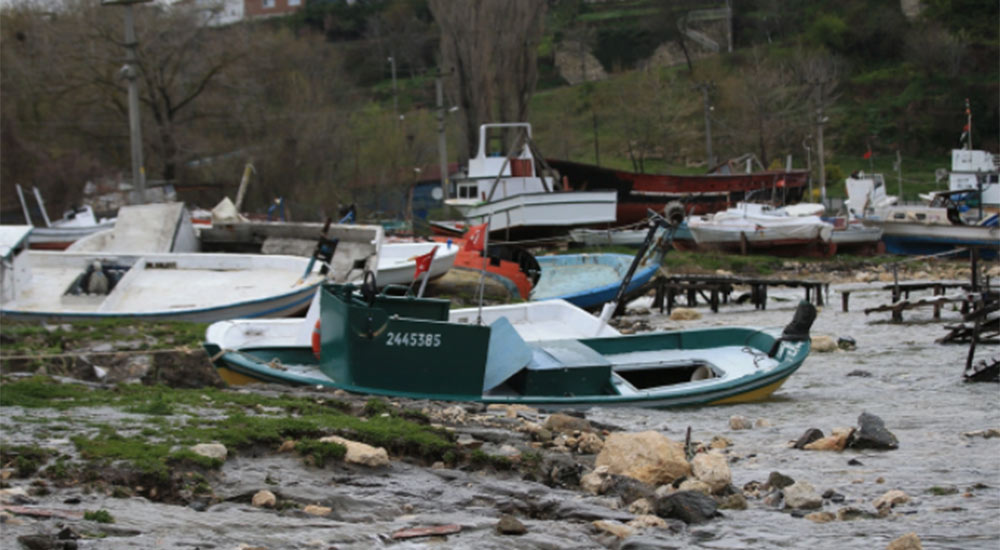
x=798 y=329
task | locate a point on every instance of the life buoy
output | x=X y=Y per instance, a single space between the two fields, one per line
x=315 y=340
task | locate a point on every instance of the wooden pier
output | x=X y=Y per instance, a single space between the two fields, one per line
x=716 y=290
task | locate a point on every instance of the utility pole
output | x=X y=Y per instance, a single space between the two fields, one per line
x=134 y=120
x=709 y=157
x=442 y=142
x=820 y=121
x=809 y=168
x=395 y=95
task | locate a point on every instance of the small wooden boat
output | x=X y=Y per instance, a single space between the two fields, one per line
x=397 y=261
x=757 y=227
x=182 y=287
x=75 y=224
x=403 y=346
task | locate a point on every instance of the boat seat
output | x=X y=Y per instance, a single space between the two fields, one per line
x=564 y=367
x=506 y=355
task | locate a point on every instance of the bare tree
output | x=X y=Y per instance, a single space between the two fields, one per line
x=491 y=47
x=654 y=112
x=766 y=101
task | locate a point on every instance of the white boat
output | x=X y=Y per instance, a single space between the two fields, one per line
x=619 y=236
x=978 y=171
x=398 y=261
x=75 y=224
x=919 y=229
x=752 y=226
x=515 y=196
x=163 y=287
x=144 y=228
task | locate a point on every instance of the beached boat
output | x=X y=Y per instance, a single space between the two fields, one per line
x=701 y=193
x=397 y=261
x=920 y=229
x=589 y=280
x=515 y=196
x=618 y=236
x=403 y=346
x=758 y=227
x=75 y=224
x=183 y=287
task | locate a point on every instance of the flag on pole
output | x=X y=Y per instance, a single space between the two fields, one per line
x=475 y=238
x=868 y=153
x=424 y=263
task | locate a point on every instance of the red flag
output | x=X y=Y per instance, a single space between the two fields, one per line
x=475 y=238
x=424 y=263
x=867 y=155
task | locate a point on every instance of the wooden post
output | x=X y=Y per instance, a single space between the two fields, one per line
x=715 y=299
x=692 y=296
x=845 y=296
x=743 y=244
x=897 y=313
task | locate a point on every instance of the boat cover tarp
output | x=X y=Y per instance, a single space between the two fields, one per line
x=507 y=354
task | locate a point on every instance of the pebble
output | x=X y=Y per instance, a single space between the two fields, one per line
x=615 y=528
x=647 y=520
x=801 y=495
x=510 y=525
x=822 y=343
x=217 y=451
x=737 y=422
x=909 y=541
x=684 y=314
x=891 y=499
x=314 y=510
x=821 y=517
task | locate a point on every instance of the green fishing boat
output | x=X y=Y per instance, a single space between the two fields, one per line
x=403 y=346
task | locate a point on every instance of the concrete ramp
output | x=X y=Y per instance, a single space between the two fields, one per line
x=145 y=228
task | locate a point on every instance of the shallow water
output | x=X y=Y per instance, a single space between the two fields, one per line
x=915 y=387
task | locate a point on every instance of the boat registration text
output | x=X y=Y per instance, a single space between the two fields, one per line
x=413 y=339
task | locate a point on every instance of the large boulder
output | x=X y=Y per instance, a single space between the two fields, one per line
x=687 y=506
x=650 y=457
x=871 y=434
x=360 y=453
x=713 y=469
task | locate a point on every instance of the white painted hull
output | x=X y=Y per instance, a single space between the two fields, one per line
x=608 y=237
x=552 y=210
x=397 y=261
x=533 y=321
x=62 y=237
x=183 y=287
x=856 y=234
x=706 y=234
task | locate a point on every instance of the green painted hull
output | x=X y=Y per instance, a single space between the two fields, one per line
x=404 y=347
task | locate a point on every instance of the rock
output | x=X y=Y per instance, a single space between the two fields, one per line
x=641 y=506
x=822 y=343
x=644 y=521
x=617 y=529
x=684 y=314
x=510 y=525
x=849 y=513
x=593 y=482
x=687 y=506
x=855 y=462
x=562 y=471
x=833 y=496
x=564 y=423
x=217 y=451
x=454 y=414
x=627 y=489
x=860 y=373
x=719 y=442
x=512 y=411
x=100 y=373
x=15 y=495
x=713 y=469
x=739 y=423
x=836 y=442
x=847 y=343
x=650 y=457
x=509 y=451
x=264 y=499
x=909 y=541
x=695 y=485
x=821 y=517
x=735 y=501
x=985 y=434
x=801 y=496
x=810 y=435
x=872 y=434
x=891 y=498
x=778 y=480
x=762 y=423
x=589 y=443
x=314 y=510
x=360 y=453
x=287 y=446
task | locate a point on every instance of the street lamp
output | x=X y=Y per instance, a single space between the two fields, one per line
x=135 y=129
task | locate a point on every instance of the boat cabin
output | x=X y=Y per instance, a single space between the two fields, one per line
x=492 y=175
